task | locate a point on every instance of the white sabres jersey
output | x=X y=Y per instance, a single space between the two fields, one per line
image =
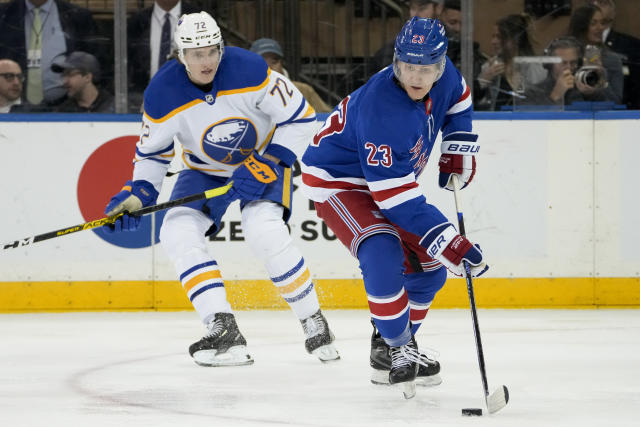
x=249 y=107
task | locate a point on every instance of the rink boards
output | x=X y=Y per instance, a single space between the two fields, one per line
x=554 y=206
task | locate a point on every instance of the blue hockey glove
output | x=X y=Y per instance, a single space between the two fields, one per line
x=133 y=196
x=451 y=249
x=252 y=176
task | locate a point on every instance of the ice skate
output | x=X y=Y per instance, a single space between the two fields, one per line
x=320 y=339
x=223 y=345
x=404 y=368
x=380 y=361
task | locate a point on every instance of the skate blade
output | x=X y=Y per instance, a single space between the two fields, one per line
x=326 y=353
x=234 y=356
x=381 y=377
x=498 y=399
x=408 y=389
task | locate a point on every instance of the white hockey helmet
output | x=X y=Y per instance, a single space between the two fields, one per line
x=197 y=30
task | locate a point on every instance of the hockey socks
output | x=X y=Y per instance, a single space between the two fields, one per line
x=381 y=261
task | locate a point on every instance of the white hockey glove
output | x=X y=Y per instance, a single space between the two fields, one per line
x=451 y=249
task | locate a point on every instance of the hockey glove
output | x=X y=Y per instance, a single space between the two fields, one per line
x=456 y=164
x=250 y=179
x=458 y=158
x=451 y=249
x=133 y=196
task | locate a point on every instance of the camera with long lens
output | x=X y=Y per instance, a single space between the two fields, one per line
x=593 y=76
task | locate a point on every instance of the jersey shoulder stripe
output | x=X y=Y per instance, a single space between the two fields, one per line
x=168 y=92
x=241 y=71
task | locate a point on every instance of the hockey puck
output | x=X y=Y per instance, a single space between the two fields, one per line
x=470 y=412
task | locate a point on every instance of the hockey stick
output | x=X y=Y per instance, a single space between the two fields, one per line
x=499 y=398
x=214 y=192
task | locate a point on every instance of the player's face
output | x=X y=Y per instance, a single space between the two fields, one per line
x=203 y=63
x=417 y=79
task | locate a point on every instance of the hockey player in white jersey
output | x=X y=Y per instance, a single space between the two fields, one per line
x=361 y=171
x=237 y=121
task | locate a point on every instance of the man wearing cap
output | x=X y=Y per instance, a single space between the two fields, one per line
x=271 y=51
x=80 y=74
x=36 y=32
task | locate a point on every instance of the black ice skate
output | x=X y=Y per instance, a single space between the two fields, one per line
x=404 y=367
x=320 y=339
x=223 y=345
x=380 y=361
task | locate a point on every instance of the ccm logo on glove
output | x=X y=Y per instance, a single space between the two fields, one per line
x=261 y=172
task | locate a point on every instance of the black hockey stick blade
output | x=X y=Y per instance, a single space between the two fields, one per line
x=214 y=192
x=498 y=399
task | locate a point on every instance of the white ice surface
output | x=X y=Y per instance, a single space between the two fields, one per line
x=563 y=368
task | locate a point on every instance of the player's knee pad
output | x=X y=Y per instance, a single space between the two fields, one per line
x=381 y=261
x=183 y=231
x=264 y=230
x=422 y=287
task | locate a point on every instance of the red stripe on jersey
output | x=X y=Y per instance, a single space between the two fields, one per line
x=383 y=195
x=314 y=181
x=464 y=95
x=389 y=308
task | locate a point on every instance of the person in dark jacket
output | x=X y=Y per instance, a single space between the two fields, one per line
x=35 y=32
x=81 y=75
x=150 y=37
x=628 y=47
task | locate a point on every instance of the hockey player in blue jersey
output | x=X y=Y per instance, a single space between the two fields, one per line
x=361 y=170
x=238 y=121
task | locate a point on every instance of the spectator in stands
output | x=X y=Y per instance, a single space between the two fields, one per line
x=81 y=75
x=500 y=80
x=451 y=18
x=11 y=79
x=150 y=37
x=587 y=25
x=566 y=82
x=419 y=8
x=272 y=53
x=34 y=32
x=628 y=47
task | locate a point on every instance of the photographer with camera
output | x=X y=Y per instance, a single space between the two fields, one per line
x=600 y=63
x=568 y=80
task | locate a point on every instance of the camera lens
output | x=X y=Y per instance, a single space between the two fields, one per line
x=591 y=78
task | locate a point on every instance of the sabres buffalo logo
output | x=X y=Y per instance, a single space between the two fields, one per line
x=230 y=141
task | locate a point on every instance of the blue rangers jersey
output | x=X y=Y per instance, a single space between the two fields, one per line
x=249 y=107
x=378 y=140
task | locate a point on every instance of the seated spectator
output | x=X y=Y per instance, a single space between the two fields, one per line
x=80 y=74
x=587 y=25
x=419 y=8
x=11 y=79
x=451 y=18
x=628 y=47
x=500 y=81
x=567 y=82
x=272 y=53
x=25 y=23
x=150 y=37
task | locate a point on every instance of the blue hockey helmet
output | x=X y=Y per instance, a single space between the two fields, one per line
x=422 y=41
